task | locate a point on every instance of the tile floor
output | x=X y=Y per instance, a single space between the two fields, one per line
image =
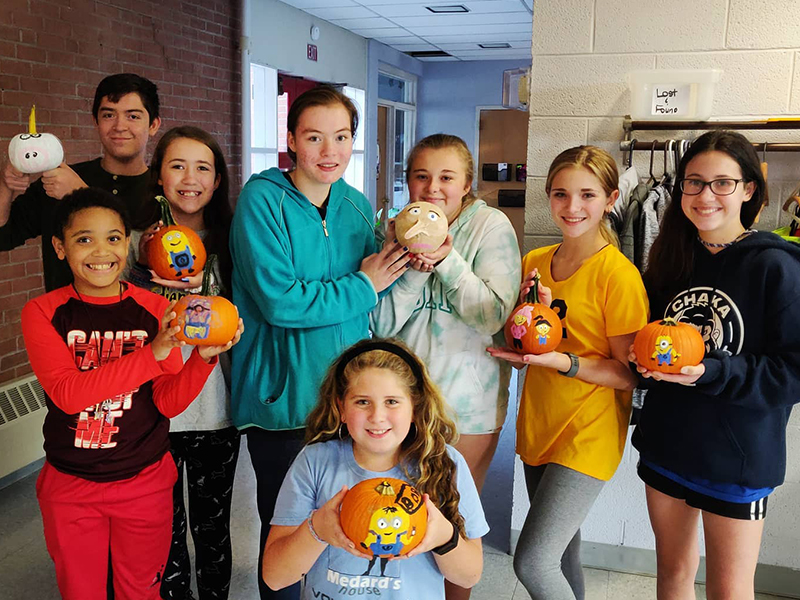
x=26 y=571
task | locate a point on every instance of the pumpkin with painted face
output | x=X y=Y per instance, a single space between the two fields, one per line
x=533 y=328
x=384 y=517
x=421 y=227
x=667 y=345
x=35 y=152
x=175 y=252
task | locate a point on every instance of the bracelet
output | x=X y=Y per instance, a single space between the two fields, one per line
x=574 y=365
x=314 y=533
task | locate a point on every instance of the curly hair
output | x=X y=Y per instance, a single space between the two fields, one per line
x=423 y=453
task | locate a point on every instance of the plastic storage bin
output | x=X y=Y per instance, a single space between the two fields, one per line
x=672 y=95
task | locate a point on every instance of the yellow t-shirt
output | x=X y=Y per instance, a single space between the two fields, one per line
x=565 y=420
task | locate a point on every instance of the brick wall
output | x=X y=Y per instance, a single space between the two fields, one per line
x=54 y=53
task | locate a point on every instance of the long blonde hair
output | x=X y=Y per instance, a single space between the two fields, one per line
x=598 y=162
x=423 y=454
x=439 y=141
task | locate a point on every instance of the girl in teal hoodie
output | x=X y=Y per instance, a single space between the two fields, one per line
x=307 y=271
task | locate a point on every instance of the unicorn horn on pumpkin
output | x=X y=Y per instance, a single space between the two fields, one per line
x=35 y=152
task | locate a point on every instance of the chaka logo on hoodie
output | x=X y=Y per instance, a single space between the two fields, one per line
x=713 y=314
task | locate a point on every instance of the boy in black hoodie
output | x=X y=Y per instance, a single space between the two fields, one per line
x=712 y=439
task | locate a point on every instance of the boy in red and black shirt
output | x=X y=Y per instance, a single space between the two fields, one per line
x=108 y=361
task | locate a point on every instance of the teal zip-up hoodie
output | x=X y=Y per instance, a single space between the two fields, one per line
x=297 y=284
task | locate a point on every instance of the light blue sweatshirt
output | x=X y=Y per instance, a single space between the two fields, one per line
x=297 y=284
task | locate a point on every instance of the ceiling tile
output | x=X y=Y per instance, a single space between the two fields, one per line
x=414 y=47
x=450 y=38
x=427 y=31
x=414 y=9
x=364 y=23
x=471 y=19
x=342 y=12
x=382 y=33
x=407 y=39
x=481 y=54
x=306 y=4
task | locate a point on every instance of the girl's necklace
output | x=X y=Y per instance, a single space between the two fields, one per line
x=741 y=236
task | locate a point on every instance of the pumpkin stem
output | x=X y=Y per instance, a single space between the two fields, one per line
x=206 y=287
x=384 y=488
x=166 y=211
x=533 y=293
x=669 y=322
x=32 y=121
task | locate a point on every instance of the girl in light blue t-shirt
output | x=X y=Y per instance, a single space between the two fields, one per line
x=378 y=415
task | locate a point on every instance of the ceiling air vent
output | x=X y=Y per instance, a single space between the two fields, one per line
x=448 y=9
x=495 y=46
x=429 y=54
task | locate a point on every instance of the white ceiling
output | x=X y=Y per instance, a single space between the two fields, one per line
x=408 y=26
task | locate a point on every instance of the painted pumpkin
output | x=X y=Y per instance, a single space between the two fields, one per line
x=421 y=226
x=35 y=152
x=205 y=320
x=668 y=345
x=175 y=252
x=533 y=328
x=384 y=517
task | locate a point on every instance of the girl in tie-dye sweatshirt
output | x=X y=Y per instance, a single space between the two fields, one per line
x=455 y=301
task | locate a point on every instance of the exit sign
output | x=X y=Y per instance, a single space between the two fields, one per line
x=312 y=52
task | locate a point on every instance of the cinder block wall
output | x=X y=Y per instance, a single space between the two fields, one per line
x=582 y=50
x=54 y=53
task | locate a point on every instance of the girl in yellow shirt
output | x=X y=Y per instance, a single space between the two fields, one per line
x=576 y=401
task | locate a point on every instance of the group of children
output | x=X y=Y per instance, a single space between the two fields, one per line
x=324 y=406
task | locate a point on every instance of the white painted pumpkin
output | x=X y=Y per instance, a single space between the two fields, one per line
x=34 y=152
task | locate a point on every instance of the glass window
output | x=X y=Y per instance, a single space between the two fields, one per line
x=263 y=119
x=354 y=174
x=394 y=89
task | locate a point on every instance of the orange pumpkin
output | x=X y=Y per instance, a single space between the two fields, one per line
x=175 y=252
x=668 y=345
x=533 y=328
x=205 y=320
x=384 y=516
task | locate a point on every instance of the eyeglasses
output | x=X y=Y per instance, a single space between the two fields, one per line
x=720 y=187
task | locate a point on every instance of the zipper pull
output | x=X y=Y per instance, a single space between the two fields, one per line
x=325 y=227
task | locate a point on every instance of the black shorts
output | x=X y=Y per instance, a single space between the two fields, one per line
x=745 y=511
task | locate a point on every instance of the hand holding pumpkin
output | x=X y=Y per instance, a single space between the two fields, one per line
x=327 y=524
x=437 y=532
x=165 y=341
x=61 y=181
x=15 y=180
x=545 y=293
x=687 y=376
x=209 y=352
x=432 y=259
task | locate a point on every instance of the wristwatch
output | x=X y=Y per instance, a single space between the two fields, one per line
x=449 y=545
x=574 y=365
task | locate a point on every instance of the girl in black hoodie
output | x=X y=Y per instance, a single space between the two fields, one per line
x=712 y=439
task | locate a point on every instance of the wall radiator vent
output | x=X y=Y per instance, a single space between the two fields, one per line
x=19 y=398
x=22 y=413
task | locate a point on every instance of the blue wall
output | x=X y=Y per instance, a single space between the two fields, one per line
x=450 y=91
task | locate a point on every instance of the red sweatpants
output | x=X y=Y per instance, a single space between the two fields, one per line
x=83 y=518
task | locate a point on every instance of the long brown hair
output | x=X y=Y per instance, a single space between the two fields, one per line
x=600 y=164
x=672 y=256
x=423 y=454
x=217 y=214
x=439 y=141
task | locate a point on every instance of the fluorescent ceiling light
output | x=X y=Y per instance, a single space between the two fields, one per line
x=448 y=8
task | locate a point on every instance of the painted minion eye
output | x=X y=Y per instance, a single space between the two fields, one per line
x=396 y=523
x=382 y=523
x=414 y=211
x=433 y=216
x=663 y=343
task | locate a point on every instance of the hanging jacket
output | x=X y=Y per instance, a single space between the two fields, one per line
x=297 y=284
x=731 y=426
